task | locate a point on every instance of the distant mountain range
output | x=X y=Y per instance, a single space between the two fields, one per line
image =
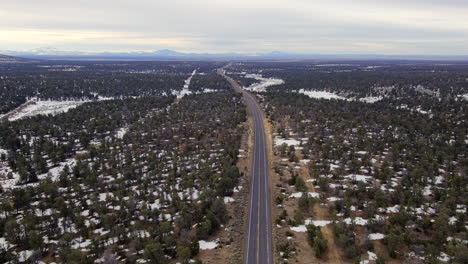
x=166 y=54
x=12 y=59
x=53 y=53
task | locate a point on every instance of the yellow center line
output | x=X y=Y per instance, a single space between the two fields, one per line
x=258 y=200
x=258 y=153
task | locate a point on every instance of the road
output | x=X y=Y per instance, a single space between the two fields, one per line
x=259 y=246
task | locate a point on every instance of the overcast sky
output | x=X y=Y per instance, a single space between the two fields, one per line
x=438 y=27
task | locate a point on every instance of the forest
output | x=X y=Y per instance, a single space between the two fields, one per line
x=371 y=159
x=137 y=162
x=91 y=80
x=125 y=179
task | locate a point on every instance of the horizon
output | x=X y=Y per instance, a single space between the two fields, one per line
x=436 y=28
x=161 y=53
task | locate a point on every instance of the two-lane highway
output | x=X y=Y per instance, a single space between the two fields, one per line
x=259 y=246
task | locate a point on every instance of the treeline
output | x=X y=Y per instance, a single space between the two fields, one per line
x=211 y=80
x=167 y=67
x=367 y=78
x=83 y=85
x=66 y=80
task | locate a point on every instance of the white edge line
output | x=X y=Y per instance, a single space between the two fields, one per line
x=251 y=198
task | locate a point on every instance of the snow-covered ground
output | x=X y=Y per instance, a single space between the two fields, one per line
x=328 y=95
x=288 y=142
x=299 y=229
x=4 y=244
x=417 y=109
x=376 y=236
x=185 y=90
x=262 y=84
x=208 y=90
x=45 y=108
x=5 y=182
x=205 y=245
x=314 y=195
x=372 y=257
x=356 y=221
x=296 y=195
x=121 y=132
x=24 y=255
x=321 y=94
x=303 y=228
x=464 y=96
x=228 y=200
x=371 y=99
x=444 y=257
x=54 y=173
x=9 y=183
x=318 y=222
x=357 y=177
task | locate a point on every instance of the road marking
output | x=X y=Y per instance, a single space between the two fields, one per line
x=264 y=185
x=261 y=152
x=259 y=191
x=251 y=201
x=267 y=193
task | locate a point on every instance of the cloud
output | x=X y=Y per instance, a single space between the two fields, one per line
x=307 y=26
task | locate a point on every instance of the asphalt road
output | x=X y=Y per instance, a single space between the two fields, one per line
x=259 y=246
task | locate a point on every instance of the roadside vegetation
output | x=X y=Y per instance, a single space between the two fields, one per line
x=375 y=154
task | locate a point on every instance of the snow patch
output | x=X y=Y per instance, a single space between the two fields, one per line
x=185 y=90
x=288 y=142
x=207 y=245
x=25 y=255
x=357 y=221
x=314 y=195
x=121 y=132
x=208 y=90
x=318 y=222
x=372 y=255
x=357 y=177
x=444 y=257
x=321 y=94
x=376 y=236
x=228 y=200
x=296 y=195
x=103 y=196
x=300 y=228
x=54 y=173
x=4 y=244
x=45 y=108
x=370 y=99
x=262 y=84
x=452 y=220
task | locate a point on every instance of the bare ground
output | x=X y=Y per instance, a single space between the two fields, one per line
x=232 y=237
x=305 y=254
x=274 y=213
x=322 y=213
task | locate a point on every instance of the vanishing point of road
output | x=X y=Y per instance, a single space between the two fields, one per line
x=259 y=246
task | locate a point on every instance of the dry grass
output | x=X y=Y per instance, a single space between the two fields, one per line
x=305 y=254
